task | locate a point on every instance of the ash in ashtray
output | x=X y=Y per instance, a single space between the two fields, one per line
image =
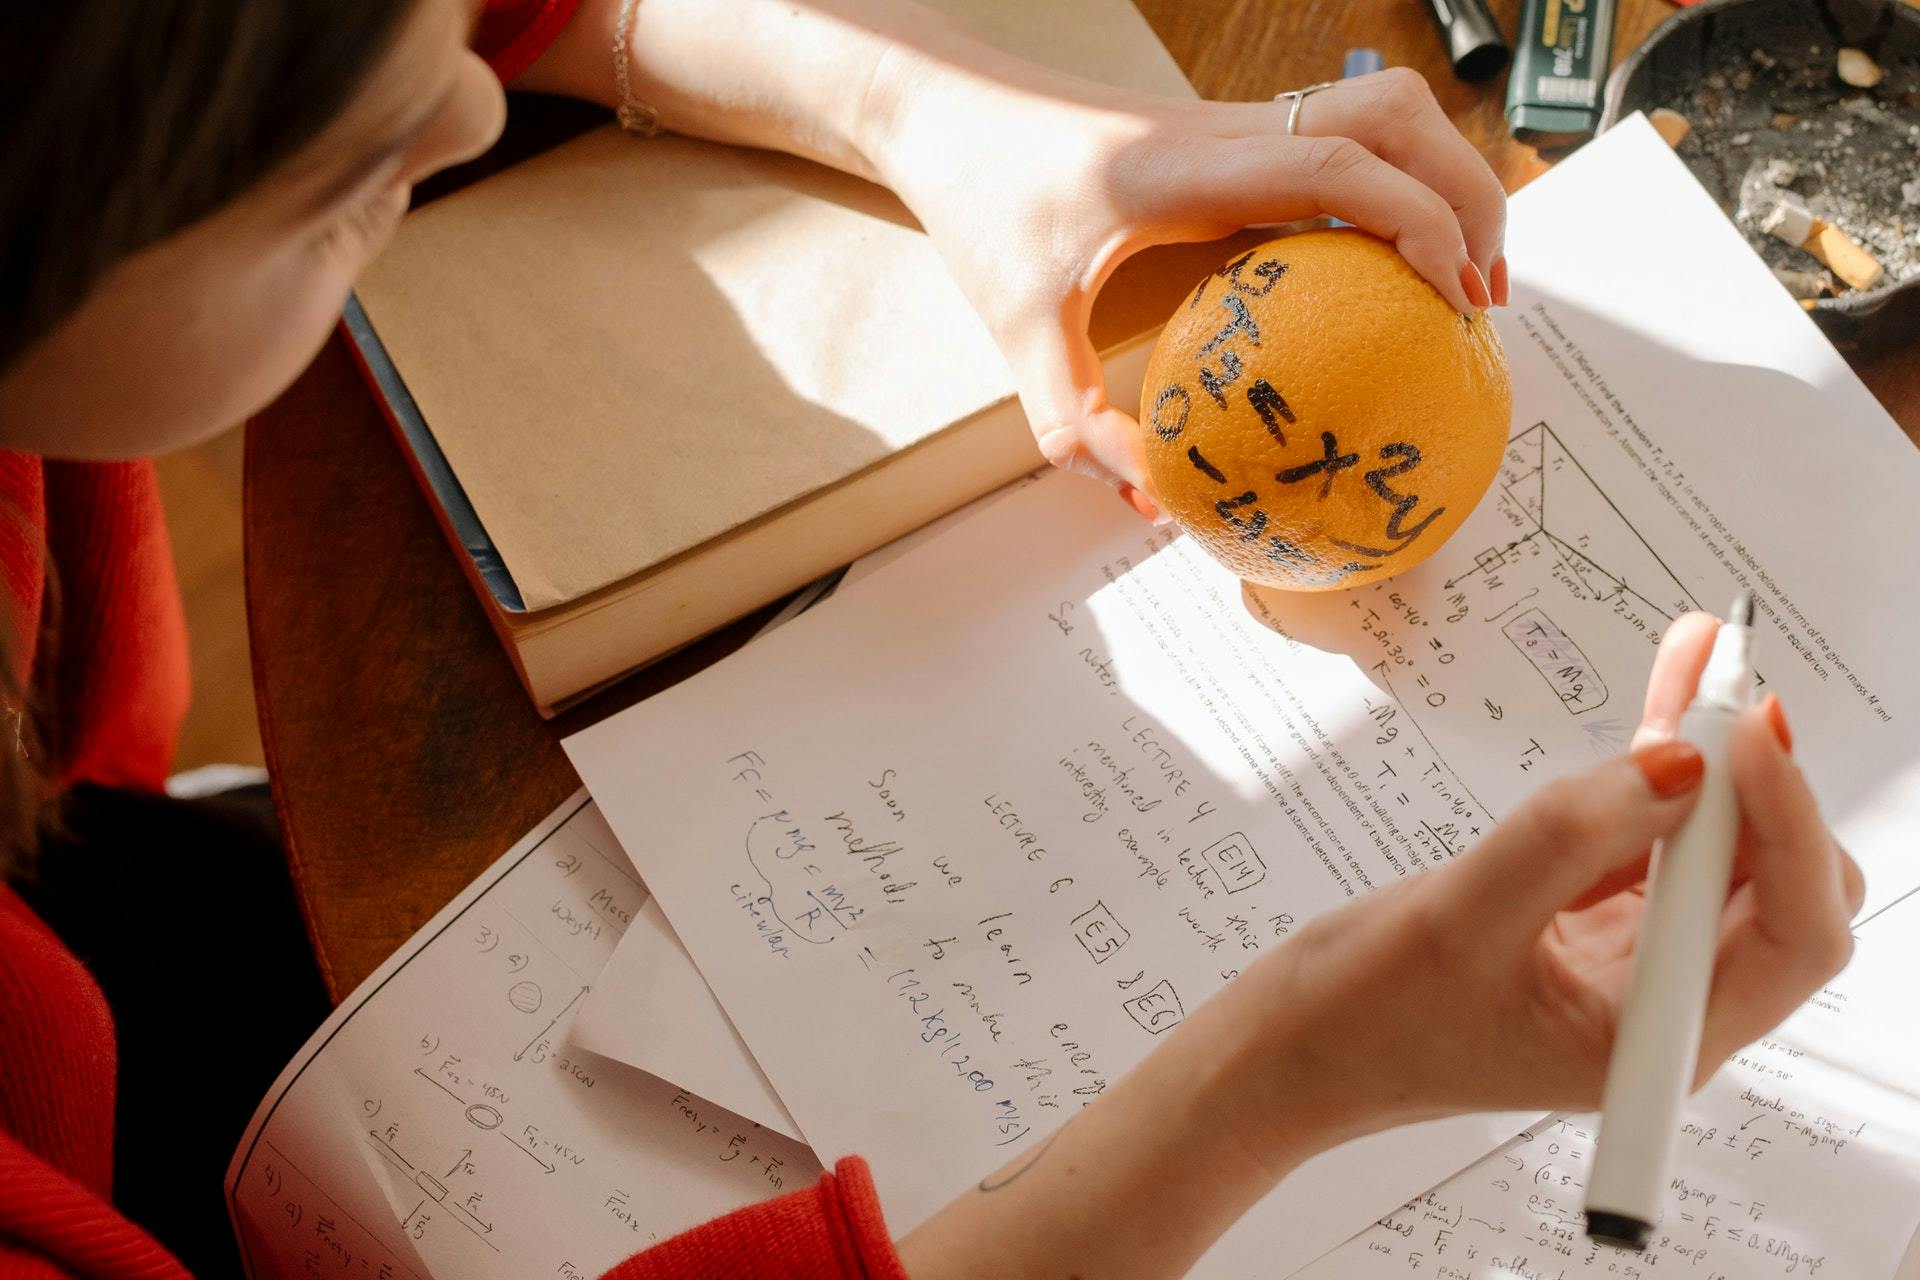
x=1783 y=123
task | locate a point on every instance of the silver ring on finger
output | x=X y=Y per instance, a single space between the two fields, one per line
x=1298 y=96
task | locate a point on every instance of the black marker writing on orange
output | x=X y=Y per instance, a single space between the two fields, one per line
x=1212 y=472
x=1251 y=528
x=1271 y=406
x=1330 y=464
x=1163 y=426
x=1402 y=504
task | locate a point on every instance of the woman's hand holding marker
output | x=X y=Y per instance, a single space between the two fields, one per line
x=1526 y=943
x=1492 y=983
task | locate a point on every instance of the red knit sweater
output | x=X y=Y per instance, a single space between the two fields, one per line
x=112 y=688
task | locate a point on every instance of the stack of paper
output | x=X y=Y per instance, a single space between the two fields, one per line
x=1046 y=727
x=1051 y=727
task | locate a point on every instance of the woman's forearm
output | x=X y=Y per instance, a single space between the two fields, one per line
x=1033 y=184
x=1147 y=1177
x=818 y=79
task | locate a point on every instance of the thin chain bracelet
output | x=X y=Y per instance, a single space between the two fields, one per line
x=635 y=116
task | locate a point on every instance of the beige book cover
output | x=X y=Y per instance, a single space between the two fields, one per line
x=628 y=347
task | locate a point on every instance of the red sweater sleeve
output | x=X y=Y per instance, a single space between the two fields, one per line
x=112 y=687
x=830 y=1231
x=513 y=33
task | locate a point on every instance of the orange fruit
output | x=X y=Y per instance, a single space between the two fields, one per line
x=1317 y=416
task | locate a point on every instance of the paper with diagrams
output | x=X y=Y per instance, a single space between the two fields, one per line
x=958 y=845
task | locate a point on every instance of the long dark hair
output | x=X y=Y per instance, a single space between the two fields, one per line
x=125 y=122
x=121 y=123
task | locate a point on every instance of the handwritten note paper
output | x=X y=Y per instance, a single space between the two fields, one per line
x=664 y=1020
x=958 y=846
x=440 y=1124
x=651 y=1009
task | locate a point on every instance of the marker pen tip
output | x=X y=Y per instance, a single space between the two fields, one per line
x=1622 y=1231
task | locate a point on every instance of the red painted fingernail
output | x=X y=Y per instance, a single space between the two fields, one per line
x=1140 y=502
x=1476 y=286
x=1671 y=768
x=1777 y=717
x=1501 y=292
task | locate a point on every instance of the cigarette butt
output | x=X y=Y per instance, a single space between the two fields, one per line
x=1790 y=220
x=1804 y=284
x=1785 y=119
x=1808 y=304
x=1846 y=259
x=1669 y=124
x=1857 y=69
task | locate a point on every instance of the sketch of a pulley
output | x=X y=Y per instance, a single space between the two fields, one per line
x=484 y=1115
x=435 y=1189
x=1559 y=509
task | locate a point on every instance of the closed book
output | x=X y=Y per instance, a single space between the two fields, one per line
x=652 y=384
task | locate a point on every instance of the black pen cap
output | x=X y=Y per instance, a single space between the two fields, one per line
x=1474 y=44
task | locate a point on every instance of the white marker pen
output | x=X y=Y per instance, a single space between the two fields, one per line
x=1658 y=1043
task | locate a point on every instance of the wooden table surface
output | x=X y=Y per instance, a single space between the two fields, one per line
x=404 y=755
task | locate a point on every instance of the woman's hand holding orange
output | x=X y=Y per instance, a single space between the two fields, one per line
x=1035 y=186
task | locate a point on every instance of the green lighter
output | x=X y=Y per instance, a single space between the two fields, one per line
x=1560 y=62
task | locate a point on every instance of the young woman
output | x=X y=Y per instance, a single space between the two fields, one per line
x=190 y=187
